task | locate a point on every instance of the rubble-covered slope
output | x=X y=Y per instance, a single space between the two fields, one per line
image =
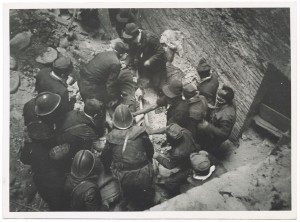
x=263 y=186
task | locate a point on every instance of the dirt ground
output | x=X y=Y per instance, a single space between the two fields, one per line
x=254 y=147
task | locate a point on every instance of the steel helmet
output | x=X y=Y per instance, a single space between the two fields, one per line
x=122 y=117
x=46 y=103
x=83 y=164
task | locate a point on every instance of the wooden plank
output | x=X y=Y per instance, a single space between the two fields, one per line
x=267 y=126
x=275 y=118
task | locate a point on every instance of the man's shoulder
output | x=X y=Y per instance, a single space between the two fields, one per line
x=150 y=36
x=228 y=112
x=214 y=79
x=44 y=72
x=29 y=105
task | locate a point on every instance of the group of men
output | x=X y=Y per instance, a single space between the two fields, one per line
x=75 y=171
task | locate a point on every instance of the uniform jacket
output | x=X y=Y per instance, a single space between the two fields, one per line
x=78 y=130
x=177 y=112
x=220 y=126
x=148 y=48
x=47 y=83
x=179 y=154
x=208 y=88
x=197 y=112
x=127 y=87
x=97 y=78
x=138 y=151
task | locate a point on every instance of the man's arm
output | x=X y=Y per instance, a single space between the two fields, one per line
x=159 y=54
x=146 y=110
x=167 y=162
x=149 y=147
x=222 y=132
x=157 y=131
x=106 y=157
x=162 y=101
x=111 y=81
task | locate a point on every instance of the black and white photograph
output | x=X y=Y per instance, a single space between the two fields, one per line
x=153 y=109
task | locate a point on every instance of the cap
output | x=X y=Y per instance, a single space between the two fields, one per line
x=190 y=90
x=130 y=31
x=203 y=66
x=200 y=162
x=174 y=131
x=173 y=89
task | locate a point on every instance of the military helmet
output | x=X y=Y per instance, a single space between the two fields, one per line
x=122 y=117
x=83 y=164
x=46 y=103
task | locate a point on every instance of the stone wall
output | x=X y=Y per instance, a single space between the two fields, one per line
x=236 y=42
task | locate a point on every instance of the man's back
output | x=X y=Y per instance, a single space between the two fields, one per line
x=77 y=130
x=178 y=113
x=208 y=88
x=47 y=82
x=138 y=150
x=100 y=67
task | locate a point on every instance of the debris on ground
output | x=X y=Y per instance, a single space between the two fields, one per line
x=13 y=63
x=47 y=57
x=20 y=41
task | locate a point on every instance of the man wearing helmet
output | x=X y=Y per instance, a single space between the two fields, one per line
x=81 y=185
x=221 y=122
x=41 y=115
x=129 y=153
x=55 y=81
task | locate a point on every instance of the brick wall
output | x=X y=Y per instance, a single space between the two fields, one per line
x=236 y=42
